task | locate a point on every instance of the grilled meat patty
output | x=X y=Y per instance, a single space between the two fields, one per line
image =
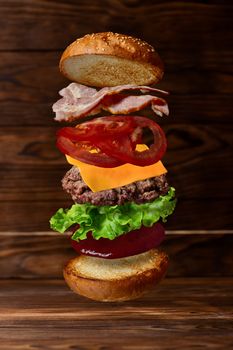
x=138 y=192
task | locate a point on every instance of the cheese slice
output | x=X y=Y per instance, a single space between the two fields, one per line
x=100 y=179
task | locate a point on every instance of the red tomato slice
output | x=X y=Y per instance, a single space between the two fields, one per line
x=82 y=152
x=114 y=139
x=136 y=137
x=99 y=129
x=132 y=243
x=123 y=149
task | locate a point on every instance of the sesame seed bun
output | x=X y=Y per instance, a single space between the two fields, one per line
x=116 y=279
x=111 y=59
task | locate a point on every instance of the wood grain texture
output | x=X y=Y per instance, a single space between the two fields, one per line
x=187 y=144
x=38 y=183
x=190 y=214
x=46 y=22
x=193 y=39
x=30 y=87
x=196 y=108
x=49 y=316
x=32 y=255
x=32 y=168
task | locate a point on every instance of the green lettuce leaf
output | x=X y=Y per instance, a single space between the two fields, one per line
x=112 y=221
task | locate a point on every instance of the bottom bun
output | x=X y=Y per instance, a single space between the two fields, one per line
x=116 y=279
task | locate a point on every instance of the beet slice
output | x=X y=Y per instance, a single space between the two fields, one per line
x=132 y=243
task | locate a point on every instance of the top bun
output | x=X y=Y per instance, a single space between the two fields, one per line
x=111 y=59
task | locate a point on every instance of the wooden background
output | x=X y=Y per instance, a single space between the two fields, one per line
x=192 y=309
x=194 y=39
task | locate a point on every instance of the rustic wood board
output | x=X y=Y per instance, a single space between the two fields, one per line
x=30 y=87
x=32 y=169
x=173 y=25
x=43 y=255
x=180 y=313
x=189 y=214
x=193 y=40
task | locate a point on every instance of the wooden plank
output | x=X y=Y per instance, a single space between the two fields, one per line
x=35 y=77
x=32 y=167
x=191 y=108
x=206 y=214
x=43 y=183
x=30 y=87
x=26 y=183
x=43 y=255
x=29 y=146
x=137 y=338
x=52 y=25
x=196 y=152
x=49 y=315
x=186 y=144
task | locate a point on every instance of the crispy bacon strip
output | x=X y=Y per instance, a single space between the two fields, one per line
x=80 y=101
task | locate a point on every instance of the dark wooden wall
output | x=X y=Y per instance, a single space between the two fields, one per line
x=194 y=39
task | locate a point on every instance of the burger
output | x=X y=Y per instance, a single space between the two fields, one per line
x=117 y=180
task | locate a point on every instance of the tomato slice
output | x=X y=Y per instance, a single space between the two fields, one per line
x=123 y=149
x=136 y=137
x=132 y=243
x=111 y=141
x=84 y=152
x=99 y=128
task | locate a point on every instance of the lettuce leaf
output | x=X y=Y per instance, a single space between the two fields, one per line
x=112 y=221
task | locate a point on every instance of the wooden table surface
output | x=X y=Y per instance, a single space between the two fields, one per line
x=38 y=311
x=182 y=313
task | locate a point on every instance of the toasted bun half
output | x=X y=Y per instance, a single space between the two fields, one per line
x=117 y=279
x=110 y=59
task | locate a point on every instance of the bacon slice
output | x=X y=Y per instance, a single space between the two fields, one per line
x=79 y=101
x=122 y=104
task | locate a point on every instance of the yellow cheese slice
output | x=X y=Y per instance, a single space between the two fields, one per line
x=99 y=179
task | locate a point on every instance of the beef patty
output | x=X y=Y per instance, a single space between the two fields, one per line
x=138 y=192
